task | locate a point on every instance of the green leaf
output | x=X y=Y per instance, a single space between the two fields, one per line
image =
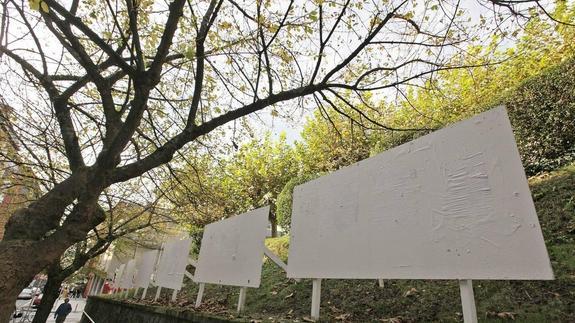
x=313 y=16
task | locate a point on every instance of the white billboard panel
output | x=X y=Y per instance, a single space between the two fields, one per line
x=127 y=276
x=232 y=250
x=145 y=268
x=119 y=275
x=173 y=262
x=111 y=264
x=454 y=204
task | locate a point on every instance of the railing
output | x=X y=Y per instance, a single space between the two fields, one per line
x=88 y=316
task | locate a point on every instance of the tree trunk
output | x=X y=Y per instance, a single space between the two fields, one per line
x=51 y=292
x=274 y=223
x=20 y=261
x=21 y=258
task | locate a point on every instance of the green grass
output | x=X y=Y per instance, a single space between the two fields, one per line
x=282 y=300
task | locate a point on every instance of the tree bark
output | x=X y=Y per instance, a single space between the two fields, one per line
x=274 y=223
x=51 y=293
x=22 y=259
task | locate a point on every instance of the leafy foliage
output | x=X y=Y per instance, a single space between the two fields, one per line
x=207 y=190
x=256 y=174
x=331 y=140
x=285 y=198
x=542 y=111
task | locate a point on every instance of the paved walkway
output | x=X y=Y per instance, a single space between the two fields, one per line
x=74 y=317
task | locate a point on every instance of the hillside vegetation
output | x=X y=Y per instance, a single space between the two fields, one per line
x=282 y=300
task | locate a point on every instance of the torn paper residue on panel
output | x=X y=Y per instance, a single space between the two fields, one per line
x=467 y=200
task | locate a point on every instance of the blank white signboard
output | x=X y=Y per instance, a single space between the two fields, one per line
x=145 y=268
x=127 y=277
x=112 y=264
x=454 y=204
x=173 y=262
x=119 y=275
x=232 y=250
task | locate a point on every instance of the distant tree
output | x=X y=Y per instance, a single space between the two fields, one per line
x=248 y=179
x=257 y=173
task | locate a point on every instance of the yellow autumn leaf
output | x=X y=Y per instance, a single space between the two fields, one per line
x=34 y=4
x=44 y=6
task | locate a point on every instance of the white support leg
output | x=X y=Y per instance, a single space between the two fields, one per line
x=381 y=283
x=200 y=294
x=92 y=286
x=242 y=299
x=468 y=301
x=144 y=293
x=97 y=286
x=136 y=290
x=174 y=295
x=96 y=290
x=315 y=299
x=101 y=288
x=157 y=293
x=90 y=290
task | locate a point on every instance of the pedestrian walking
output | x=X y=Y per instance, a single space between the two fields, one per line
x=63 y=310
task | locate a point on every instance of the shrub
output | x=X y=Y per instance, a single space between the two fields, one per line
x=542 y=112
x=284 y=201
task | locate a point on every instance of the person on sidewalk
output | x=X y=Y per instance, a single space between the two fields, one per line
x=63 y=310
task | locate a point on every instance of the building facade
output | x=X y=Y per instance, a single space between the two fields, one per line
x=17 y=187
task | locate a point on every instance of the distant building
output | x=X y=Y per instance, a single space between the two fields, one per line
x=17 y=185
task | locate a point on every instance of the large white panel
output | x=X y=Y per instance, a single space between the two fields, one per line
x=127 y=277
x=173 y=262
x=111 y=264
x=145 y=268
x=232 y=250
x=454 y=204
x=119 y=275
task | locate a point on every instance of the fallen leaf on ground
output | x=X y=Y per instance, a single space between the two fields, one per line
x=342 y=317
x=410 y=292
x=502 y=315
x=334 y=309
x=397 y=319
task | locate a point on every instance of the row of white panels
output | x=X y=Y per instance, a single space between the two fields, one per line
x=454 y=204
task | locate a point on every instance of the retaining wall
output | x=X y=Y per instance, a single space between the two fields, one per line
x=107 y=310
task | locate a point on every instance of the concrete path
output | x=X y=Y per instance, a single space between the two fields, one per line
x=74 y=317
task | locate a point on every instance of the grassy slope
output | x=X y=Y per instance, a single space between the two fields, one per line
x=279 y=299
